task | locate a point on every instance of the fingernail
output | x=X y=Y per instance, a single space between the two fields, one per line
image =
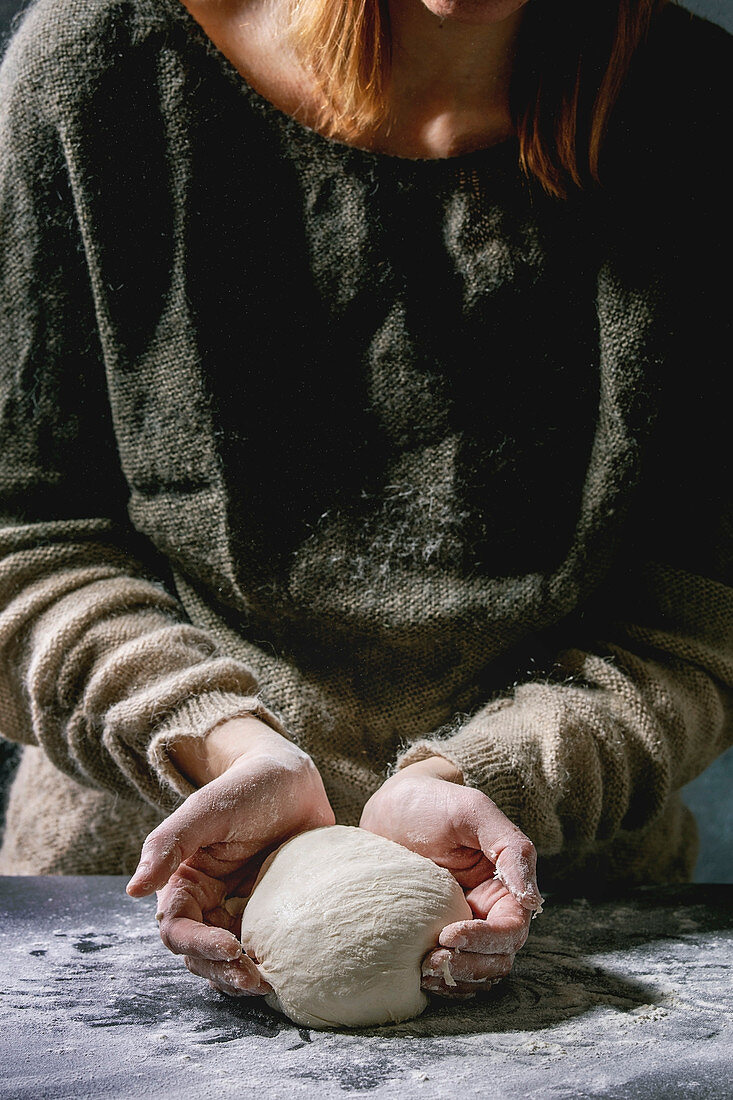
x=533 y=895
x=141 y=884
x=141 y=877
x=230 y=952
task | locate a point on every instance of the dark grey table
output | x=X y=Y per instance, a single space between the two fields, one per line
x=627 y=998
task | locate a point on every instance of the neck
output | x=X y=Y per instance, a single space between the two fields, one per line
x=450 y=80
x=449 y=83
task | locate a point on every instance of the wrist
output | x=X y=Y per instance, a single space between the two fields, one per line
x=202 y=759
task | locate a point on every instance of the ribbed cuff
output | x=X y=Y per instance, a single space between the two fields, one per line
x=472 y=748
x=197 y=717
x=497 y=752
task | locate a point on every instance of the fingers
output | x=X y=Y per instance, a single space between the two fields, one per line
x=458 y=992
x=183 y=904
x=240 y=978
x=175 y=839
x=479 y=936
x=460 y=975
x=500 y=929
x=460 y=966
x=210 y=951
x=515 y=860
x=184 y=936
x=257 y=801
x=512 y=854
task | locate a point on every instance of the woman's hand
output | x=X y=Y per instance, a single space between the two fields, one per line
x=426 y=808
x=259 y=790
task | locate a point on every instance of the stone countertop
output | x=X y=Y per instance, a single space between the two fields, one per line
x=628 y=999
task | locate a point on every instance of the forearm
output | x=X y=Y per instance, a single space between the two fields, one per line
x=599 y=747
x=99 y=666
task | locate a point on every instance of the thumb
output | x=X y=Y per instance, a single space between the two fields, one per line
x=515 y=862
x=177 y=838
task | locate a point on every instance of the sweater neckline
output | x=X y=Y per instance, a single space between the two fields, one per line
x=504 y=153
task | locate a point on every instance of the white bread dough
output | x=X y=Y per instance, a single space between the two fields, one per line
x=339 y=923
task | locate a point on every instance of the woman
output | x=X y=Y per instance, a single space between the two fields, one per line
x=347 y=434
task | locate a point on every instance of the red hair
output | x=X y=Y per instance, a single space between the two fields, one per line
x=571 y=62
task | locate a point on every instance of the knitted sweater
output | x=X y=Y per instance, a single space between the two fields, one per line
x=405 y=457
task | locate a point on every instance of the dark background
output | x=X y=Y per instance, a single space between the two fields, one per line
x=708 y=796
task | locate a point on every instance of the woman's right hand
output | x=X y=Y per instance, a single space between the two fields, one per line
x=259 y=790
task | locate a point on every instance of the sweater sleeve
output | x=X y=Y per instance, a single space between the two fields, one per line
x=98 y=664
x=635 y=698
x=623 y=720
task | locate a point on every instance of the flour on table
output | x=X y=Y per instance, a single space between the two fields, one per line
x=339 y=923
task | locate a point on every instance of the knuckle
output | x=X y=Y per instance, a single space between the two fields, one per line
x=517 y=921
x=504 y=966
x=309 y=773
x=306 y=763
x=514 y=930
x=292 y=771
x=477 y=802
x=165 y=935
x=152 y=837
x=294 y=759
x=170 y=852
x=155 y=839
x=520 y=933
x=161 y=846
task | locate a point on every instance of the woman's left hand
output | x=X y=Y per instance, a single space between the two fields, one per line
x=426 y=808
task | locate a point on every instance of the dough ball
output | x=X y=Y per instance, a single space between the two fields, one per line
x=340 y=921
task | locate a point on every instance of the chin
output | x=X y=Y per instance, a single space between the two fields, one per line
x=477 y=12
